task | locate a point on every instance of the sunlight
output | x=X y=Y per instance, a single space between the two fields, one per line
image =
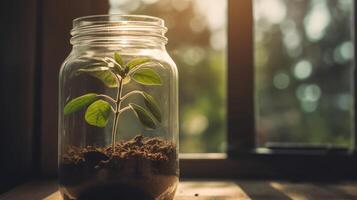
x=196 y=124
x=303 y=69
x=216 y=23
x=347 y=50
x=288 y=191
x=54 y=196
x=317 y=20
x=308 y=94
x=274 y=11
x=281 y=80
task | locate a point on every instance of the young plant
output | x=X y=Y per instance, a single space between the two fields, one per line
x=115 y=73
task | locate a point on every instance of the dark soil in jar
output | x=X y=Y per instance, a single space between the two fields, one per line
x=141 y=168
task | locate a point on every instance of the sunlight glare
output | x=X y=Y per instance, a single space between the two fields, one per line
x=302 y=69
x=317 y=20
x=272 y=10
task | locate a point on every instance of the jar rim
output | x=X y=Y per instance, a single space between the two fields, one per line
x=110 y=26
x=117 y=18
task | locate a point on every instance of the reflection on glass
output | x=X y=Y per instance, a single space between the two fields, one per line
x=198 y=46
x=304 y=86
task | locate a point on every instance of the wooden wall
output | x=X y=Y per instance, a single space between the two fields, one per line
x=18 y=68
x=34 y=40
x=56 y=25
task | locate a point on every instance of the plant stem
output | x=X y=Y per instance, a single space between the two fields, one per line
x=124 y=109
x=117 y=112
x=131 y=93
x=107 y=97
x=132 y=71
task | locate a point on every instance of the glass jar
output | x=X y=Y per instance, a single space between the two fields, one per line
x=118 y=111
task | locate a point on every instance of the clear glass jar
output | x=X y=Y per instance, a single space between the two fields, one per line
x=118 y=111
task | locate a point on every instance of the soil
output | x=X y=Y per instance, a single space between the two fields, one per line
x=141 y=168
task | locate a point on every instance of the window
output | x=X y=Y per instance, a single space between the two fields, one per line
x=277 y=81
x=304 y=87
x=197 y=43
x=299 y=95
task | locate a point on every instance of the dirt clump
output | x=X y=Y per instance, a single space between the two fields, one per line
x=140 y=168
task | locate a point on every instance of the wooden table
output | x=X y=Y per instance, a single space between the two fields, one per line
x=216 y=190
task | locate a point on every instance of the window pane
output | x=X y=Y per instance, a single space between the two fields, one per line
x=304 y=58
x=197 y=43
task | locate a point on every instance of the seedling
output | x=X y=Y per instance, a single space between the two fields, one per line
x=115 y=73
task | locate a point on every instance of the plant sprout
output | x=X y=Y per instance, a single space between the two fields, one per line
x=115 y=73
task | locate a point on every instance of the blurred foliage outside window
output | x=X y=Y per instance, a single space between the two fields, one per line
x=304 y=63
x=304 y=57
x=197 y=44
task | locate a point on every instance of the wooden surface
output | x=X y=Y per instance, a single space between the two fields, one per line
x=216 y=190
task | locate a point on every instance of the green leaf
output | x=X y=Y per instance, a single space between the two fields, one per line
x=126 y=80
x=147 y=76
x=98 y=113
x=118 y=59
x=143 y=116
x=137 y=61
x=120 y=65
x=76 y=104
x=152 y=105
x=103 y=74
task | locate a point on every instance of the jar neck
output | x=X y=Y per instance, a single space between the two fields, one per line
x=126 y=31
x=117 y=46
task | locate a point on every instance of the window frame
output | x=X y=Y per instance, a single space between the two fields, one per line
x=242 y=159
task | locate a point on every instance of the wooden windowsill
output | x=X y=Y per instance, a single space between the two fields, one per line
x=215 y=190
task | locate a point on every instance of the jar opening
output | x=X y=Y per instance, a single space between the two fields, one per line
x=100 y=29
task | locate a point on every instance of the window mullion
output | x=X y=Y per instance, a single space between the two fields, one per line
x=241 y=131
x=354 y=79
